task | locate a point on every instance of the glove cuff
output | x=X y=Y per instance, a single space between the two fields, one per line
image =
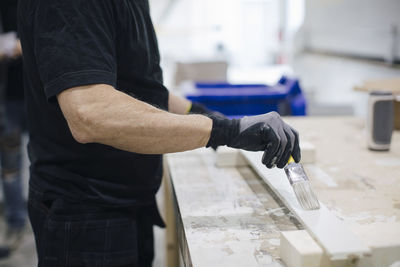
x=223 y=131
x=197 y=108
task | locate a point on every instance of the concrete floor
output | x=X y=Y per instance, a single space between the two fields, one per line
x=25 y=256
x=329 y=81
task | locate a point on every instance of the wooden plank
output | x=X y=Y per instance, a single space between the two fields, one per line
x=171 y=240
x=227 y=215
x=392 y=85
x=366 y=183
x=231 y=157
x=331 y=233
x=384 y=241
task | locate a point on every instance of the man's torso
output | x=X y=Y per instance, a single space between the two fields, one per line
x=92 y=172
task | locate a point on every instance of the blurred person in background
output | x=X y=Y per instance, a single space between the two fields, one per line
x=12 y=122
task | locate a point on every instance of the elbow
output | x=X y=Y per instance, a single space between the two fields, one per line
x=82 y=108
x=81 y=136
x=81 y=127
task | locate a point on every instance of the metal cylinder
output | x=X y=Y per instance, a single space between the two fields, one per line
x=380 y=120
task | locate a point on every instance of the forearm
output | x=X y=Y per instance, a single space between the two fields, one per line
x=178 y=105
x=118 y=120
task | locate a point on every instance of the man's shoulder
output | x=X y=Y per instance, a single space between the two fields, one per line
x=61 y=10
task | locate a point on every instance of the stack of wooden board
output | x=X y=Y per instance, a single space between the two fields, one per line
x=328 y=241
x=338 y=242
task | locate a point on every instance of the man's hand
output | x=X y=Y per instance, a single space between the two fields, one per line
x=267 y=132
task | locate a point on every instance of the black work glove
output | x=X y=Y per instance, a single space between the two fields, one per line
x=267 y=132
x=197 y=108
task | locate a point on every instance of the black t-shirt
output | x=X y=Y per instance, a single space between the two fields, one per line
x=82 y=42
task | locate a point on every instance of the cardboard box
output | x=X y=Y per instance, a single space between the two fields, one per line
x=201 y=71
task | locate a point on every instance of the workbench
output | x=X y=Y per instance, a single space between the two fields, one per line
x=230 y=217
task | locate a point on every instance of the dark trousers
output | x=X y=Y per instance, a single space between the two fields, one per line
x=77 y=235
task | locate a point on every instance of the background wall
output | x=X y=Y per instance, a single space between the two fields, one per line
x=246 y=31
x=364 y=28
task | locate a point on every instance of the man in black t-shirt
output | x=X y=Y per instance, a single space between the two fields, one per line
x=99 y=120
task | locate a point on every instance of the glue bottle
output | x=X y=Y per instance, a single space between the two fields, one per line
x=380 y=120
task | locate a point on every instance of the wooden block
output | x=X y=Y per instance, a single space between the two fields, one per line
x=298 y=249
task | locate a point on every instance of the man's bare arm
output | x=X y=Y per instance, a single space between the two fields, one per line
x=178 y=105
x=102 y=114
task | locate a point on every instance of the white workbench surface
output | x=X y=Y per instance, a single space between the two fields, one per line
x=224 y=222
x=227 y=216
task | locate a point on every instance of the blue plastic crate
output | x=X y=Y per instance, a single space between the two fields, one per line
x=251 y=99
